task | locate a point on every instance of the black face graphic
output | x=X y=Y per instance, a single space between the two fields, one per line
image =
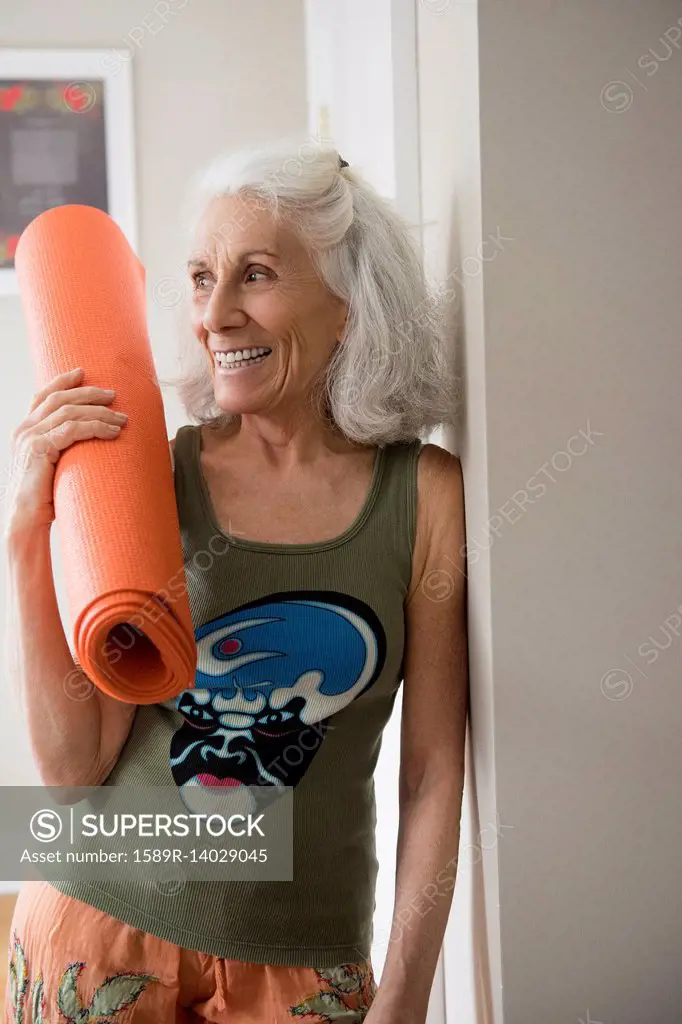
x=270 y=677
x=230 y=757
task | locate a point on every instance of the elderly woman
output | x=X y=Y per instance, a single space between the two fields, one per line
x=341 y=574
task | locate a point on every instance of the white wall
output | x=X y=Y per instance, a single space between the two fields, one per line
x=218 y=75
x=451 y=201
x=575 y=321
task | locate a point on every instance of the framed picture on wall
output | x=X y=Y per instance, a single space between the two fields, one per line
x=66 y=136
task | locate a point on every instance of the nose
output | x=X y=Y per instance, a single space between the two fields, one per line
x=223 y=311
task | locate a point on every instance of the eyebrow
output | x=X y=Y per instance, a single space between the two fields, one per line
x=202 y=261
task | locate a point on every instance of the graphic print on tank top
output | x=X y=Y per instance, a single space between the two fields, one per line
x=270 y=675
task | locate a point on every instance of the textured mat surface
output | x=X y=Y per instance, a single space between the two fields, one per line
x=83 y=295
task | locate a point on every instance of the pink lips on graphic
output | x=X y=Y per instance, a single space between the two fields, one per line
x=212 y=780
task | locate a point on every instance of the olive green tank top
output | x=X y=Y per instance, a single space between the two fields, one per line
x=334 y=610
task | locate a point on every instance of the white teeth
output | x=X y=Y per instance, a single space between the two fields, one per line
x=240 y=356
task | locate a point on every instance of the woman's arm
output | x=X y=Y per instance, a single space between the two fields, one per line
x=76 y=731
x=435 y=700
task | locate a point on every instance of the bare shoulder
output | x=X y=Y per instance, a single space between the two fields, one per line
x=440 y=537
x=440 y=486
x=437 y=466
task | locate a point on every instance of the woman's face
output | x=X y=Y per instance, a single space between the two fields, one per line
x=254 y=287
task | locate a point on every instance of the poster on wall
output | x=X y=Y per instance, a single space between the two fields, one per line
x=65 y=137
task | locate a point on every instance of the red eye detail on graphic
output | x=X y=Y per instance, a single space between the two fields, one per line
x=230 y=646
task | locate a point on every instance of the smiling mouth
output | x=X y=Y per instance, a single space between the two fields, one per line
x=239 y=358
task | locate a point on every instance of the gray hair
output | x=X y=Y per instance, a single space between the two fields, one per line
x=392 y=375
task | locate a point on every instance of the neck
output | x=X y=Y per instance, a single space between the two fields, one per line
x=284 y=440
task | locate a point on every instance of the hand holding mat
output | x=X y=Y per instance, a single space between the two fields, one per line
x=83 y=295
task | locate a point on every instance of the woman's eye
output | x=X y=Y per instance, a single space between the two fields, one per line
x=263 y=273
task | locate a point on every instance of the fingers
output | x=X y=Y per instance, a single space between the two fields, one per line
x=53 y=442
x=55 y=400
x=63 y=413
x=71 y=423
x=82 y=412
x=68 y=379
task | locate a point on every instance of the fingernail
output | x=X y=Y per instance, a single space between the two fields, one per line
x=113 y=426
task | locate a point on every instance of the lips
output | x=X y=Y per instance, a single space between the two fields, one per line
x=207 y=779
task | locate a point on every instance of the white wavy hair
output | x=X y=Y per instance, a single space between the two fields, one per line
x=392 y=375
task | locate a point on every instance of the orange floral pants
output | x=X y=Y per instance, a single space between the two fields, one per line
x=70 y=963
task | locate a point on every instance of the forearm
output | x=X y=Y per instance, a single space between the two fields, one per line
x=62 y=711
x=428 y=845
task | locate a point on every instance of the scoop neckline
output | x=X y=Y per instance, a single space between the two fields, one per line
x=268 y=546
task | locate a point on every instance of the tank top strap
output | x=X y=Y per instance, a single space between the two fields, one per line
x=392 y=526
x=184 y=473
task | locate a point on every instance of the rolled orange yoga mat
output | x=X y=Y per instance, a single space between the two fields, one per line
x=83 y=295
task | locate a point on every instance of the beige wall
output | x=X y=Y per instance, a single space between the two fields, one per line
x=574 y=326
x=220 y=74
